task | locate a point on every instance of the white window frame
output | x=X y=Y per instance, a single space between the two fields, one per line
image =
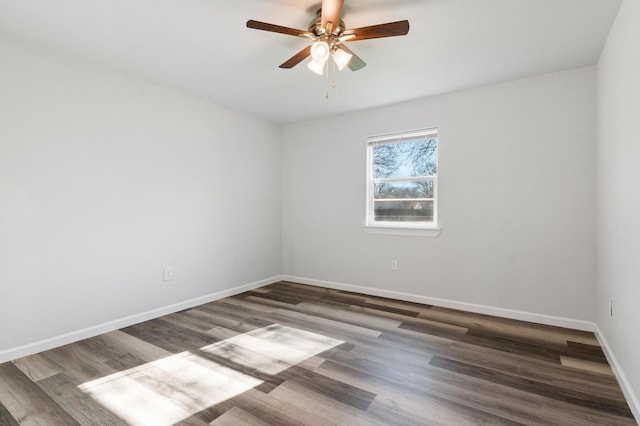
x=427 y=229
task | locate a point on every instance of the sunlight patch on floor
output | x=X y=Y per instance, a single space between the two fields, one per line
x=168 y=390
x=171 y=389
x=272 y=349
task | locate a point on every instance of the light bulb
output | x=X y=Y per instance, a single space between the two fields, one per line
x=341 y=58
x=320 y=51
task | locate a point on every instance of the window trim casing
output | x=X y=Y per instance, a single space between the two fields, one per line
x=430 y=229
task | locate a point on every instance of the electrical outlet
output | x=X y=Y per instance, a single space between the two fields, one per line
x=167 y=274
x=394 y=265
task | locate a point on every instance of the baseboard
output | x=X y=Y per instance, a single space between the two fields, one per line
x=74 y=336
x=630 y=395
x=453 y=304
x=53 y=342
x=627 y=390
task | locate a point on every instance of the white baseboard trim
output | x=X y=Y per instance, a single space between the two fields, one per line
x=630 y=395
x=453 y=304
x=627 y=390
x=74 y=336
x=53 y=342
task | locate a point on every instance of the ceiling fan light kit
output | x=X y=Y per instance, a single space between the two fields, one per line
x=328 y=34
x=320 y=51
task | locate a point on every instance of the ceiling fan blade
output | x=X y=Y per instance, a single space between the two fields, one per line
x=331 y=13
x=264 y=26
x=297 y=58
x=356 y=62
x=390 y=29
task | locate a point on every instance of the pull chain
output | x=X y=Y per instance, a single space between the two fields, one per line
x=326 y=95
x=333 y=72
x=333 y=84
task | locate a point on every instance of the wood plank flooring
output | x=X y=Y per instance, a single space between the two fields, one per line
x=290 y=354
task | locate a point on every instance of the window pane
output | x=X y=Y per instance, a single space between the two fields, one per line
x=408 y=189
x=405 y=159
x=403 y=211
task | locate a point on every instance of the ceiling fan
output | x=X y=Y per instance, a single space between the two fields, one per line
x=328 y=34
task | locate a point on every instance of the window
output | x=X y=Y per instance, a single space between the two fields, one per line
x=402 y=180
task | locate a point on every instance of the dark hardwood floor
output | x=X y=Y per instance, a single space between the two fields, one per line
x=290 y=354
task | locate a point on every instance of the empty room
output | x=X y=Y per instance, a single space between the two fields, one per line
x=319 y=212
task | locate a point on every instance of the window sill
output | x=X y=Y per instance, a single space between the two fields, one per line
x=405 y=231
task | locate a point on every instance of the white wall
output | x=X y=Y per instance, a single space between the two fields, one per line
x=105 y=180
x=618 y=156
x=517 y=188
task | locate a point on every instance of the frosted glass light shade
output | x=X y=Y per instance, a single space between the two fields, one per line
x=341 y=58
x=315 y=66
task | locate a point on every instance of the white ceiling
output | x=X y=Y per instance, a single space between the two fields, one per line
x=202 y=47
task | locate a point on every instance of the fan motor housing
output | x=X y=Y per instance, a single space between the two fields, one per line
x=315 y=26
